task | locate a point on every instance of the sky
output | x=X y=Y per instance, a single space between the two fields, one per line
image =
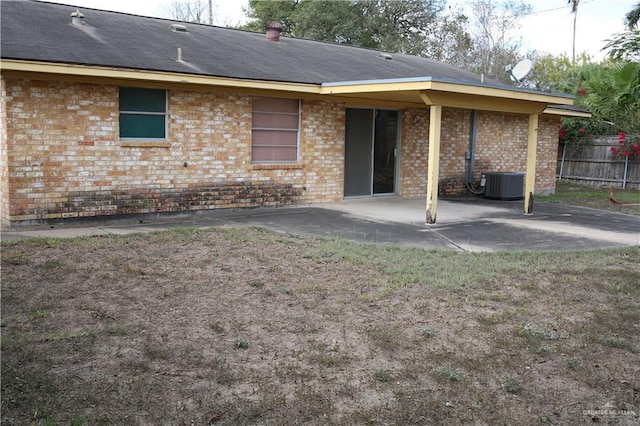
x=548 y=29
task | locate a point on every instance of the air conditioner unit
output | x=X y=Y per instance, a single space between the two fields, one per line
x=504 y=186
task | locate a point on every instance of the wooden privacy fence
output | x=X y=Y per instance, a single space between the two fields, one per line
x=592 y=164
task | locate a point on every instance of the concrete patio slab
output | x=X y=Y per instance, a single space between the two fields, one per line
x=463 y=224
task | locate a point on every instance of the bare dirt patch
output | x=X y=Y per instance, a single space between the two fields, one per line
x=245 y=326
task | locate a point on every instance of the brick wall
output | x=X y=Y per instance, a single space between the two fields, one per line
x=4 y=171
x=547 y=154
x=414 y=146
x=322 y=144
x=501 y=146
x=454 y=144
x=61 y=156
x=67 y=160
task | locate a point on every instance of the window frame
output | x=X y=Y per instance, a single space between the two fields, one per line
x=165 y=114
x=277 y=129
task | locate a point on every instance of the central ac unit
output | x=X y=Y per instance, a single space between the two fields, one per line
x=504 y=186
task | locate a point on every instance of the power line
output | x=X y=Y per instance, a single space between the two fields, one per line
x=555 y=8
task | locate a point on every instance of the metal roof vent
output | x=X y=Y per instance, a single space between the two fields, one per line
x=385 y=56
x=77 y=18
x=273 y=31
x=179 y=28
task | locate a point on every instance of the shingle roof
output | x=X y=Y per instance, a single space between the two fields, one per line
x=33 y=30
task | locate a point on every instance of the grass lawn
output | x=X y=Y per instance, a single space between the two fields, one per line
x=244 y=326
x=594 y=197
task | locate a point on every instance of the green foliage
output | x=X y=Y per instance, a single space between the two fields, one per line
x=240 y=343
x=612 y=94
x=446 y=373
x=427 y=331
x=575 y=364
x=451 y=42
x=628 y=146
x=415 y=27
x=556 y=73
x=528 y=330
x=330 y=22
x=510 y=385
x=618 y=342
x=379 y=24
x=632 y=17
x=273 y=10
x=624 y=45
x=610 y=90
x=381 y=374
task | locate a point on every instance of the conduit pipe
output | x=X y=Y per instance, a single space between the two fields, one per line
x=471 y=153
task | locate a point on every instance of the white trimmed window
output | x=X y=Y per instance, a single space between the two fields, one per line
x=143 y=114
x=275 y=130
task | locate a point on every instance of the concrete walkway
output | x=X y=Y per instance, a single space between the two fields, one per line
x=465 y=224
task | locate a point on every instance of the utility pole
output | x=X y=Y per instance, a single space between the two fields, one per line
x=211 y=14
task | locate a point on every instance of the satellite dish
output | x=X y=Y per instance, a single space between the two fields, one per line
x=521 y=70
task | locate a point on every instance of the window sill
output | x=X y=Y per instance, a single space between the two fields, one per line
x=277 y=166
x=145 y=144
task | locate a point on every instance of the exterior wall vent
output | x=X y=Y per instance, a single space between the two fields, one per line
x=504 y=186
x=179 y=28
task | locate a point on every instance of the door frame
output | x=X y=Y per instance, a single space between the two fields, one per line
x=397 y=162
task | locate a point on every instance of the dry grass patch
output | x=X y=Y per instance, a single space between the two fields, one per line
x=244 y=326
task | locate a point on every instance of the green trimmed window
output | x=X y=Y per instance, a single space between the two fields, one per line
x=143 y=113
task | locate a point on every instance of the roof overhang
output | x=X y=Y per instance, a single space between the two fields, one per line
x=450 y=93
x=420 y=92
x=98 y=72
x=565 y=111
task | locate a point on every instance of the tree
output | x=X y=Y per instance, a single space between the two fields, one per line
x=197 y=11
x=624 y=46
x=402 y=26
x=494 y=47
x=632 y=17
x=610 y=90
x=555 y=73
x=397 y=26
x=574 y=10
x=451 y=42
x=417 y=27
x=263 y=11
x=612 y=93
x=334 y=22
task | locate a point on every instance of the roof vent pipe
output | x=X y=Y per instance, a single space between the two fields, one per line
x=77 y=18
x=273 y=31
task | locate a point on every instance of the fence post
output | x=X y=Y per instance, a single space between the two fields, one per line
x=626 y=169
x=564 y=151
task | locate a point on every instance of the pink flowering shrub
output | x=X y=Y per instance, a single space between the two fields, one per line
x=628 y=146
